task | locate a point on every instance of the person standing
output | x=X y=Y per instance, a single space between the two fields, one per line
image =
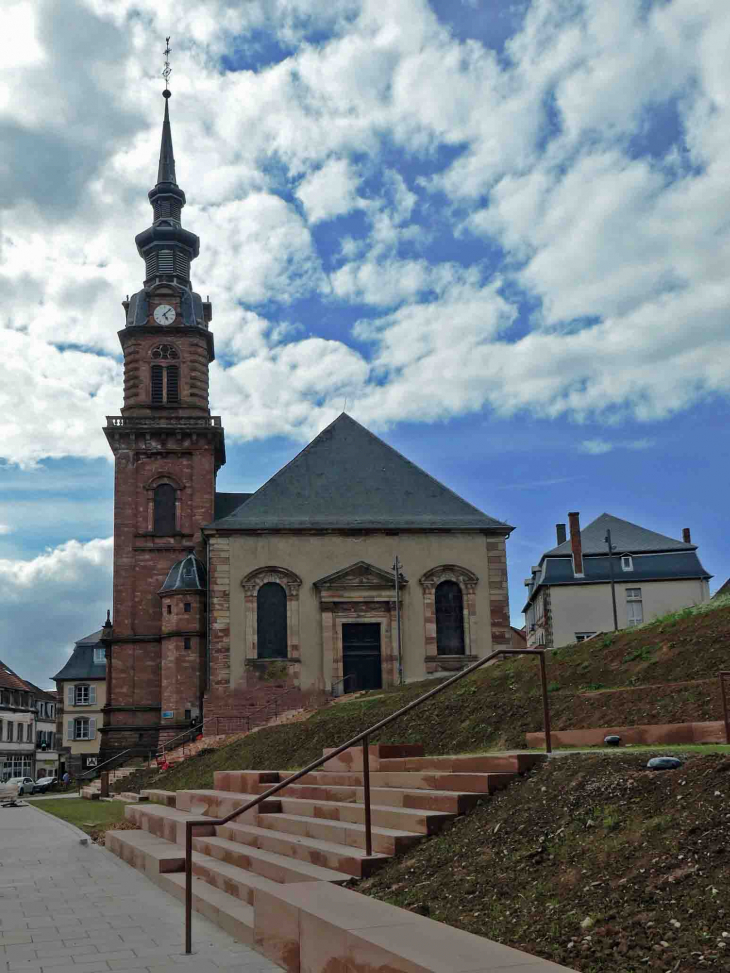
x=66 y=779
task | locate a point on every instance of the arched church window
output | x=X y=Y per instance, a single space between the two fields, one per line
x=165 y=384
x=449 y=619
x=271 y=621
x=164 y=509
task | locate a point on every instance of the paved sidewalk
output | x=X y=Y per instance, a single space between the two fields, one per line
x=70 y=908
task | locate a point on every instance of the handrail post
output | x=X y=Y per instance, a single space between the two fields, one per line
x=725 y=709
x=366 y=787
x=545 y=704
x=188 y=887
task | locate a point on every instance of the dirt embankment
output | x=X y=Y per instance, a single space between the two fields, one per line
x=593 y=862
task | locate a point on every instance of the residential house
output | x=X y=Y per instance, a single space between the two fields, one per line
x=46 y=759
x=81 y=688
x=17 y=726
x=569 y=594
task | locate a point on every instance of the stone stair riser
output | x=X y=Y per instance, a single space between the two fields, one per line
x=474 y=783
x=338 y=833
x=511 y=764
x=448 y=802
x=244 y=781
x=219 y=804
x=280 y=844
x=402 y=819
x=245 y=858
x=239 y=924
x=171 y=829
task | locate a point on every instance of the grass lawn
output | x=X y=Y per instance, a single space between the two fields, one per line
x=93 y=817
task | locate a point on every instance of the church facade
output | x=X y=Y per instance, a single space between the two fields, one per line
x=220 y=598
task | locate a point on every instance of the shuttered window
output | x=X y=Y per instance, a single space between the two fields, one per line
x=182 y=264
x=172 y=373
x=82 y=728
x=165 y=261
x=157 y=384
x=449 y=619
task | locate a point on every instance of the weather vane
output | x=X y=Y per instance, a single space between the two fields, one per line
x=167 y=71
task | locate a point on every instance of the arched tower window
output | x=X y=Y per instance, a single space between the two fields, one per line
x=449 y=619
x=164 y=509
x=165 y=378
x=271 y=621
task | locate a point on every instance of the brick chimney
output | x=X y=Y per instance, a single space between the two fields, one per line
x=575 y=542
x=686 y=536
x=560 y=532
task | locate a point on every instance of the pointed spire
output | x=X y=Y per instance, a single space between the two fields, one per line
x=166 y=169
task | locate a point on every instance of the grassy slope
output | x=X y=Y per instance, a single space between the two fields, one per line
x=587 y=836
x=494 y=708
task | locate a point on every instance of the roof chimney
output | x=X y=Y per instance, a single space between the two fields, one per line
x=686 y=536
x=575 y=543
x=560 y=531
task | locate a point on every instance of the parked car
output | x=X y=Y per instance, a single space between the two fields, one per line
x=44 y=784
x=25 y=785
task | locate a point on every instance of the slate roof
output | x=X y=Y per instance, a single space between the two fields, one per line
x=48 y=694
x=186 y=575
x=626 y=538
x=722 y=590
x=9 y=680
x=81 y=664
x=226 y=503
x=349 y=478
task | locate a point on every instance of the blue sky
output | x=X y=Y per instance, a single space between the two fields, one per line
x=498 y=232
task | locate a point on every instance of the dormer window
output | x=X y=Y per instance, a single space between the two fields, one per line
x=627 y=562
x=99 y=655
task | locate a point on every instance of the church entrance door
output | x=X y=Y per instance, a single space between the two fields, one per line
x=361 y=656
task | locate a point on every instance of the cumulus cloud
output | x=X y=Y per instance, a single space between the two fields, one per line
x=523 y=234
x=52 y=599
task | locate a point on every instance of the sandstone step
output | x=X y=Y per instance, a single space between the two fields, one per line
x=166 y=822
x=517 y=763
x=413 y=780
x=220 y=803
x=238 y=882
x=167 y=798
x=450 y=802
x=130 y=797
x=351 y=759
x=145 y=851
x=229 y=913
x=245 y=781
x=271 y=865
x=382 y=816
x=315 y=851
x=387 y=841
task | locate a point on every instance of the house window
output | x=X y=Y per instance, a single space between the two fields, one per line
x=582 y=636
x=165 y=384
x=169 y=609
x=634 y=607
x=271 y=621
x=188 y=606
x=99 y=655
x=449 y=619
x=627 y=562
x=164 y=509
x=28 y=732
x=11 y=727
x=82 y=728
x=82 y=695
x=186 y=643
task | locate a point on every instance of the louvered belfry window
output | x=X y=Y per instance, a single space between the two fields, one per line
x=164 y=509
x=165 y=261
x=165 y=385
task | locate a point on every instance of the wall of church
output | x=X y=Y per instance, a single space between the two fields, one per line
x=314 y=556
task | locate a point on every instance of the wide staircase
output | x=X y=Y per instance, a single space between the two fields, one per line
x=285 y=853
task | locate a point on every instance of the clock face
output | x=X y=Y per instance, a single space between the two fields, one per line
x=164 y=314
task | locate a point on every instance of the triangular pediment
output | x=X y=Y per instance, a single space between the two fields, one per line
x=361 y=574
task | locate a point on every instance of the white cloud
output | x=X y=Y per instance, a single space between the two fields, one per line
x=6 y=529
x=624 y=257
x=51 y=600
x=597 y=447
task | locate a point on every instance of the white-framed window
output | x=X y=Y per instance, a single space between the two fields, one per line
x=627 y=562
x=634 y=607
x=81 y=695
x=582 y=636
x=99 y=655
x=28 y=732
x=11 y=729
x=82 y=728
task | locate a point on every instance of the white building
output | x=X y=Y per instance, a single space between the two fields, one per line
x=17 y=726
x=569 y=592
x=46 y=738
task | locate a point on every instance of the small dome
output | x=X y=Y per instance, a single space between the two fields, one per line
x=186 y=575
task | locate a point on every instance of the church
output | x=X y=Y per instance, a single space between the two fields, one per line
x=220 y=598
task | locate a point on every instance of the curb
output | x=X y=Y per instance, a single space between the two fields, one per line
x=82 y=835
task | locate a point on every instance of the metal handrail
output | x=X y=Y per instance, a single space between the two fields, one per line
x=725 y=707
x=95 y=770
x=189 y=825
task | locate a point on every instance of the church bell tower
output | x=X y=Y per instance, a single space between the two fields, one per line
x=167 y=450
